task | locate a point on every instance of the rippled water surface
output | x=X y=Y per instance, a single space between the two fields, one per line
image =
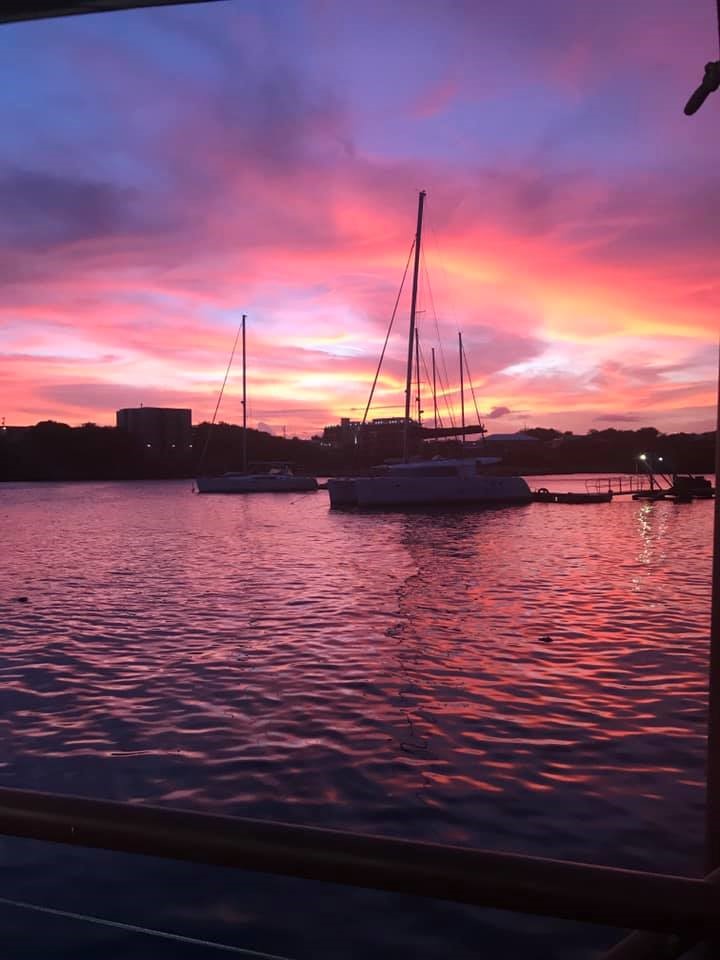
x=264 y=656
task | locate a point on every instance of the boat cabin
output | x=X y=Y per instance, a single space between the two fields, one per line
x=437 y=467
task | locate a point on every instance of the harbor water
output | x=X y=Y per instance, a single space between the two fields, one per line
x=529 y=679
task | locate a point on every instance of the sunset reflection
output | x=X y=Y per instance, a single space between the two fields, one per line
x=448 y=675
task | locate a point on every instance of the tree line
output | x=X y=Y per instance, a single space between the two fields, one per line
x=56 y=451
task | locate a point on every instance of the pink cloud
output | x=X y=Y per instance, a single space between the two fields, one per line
x=436 y=98
x=264 y=199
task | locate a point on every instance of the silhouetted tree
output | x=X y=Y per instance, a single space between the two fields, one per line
x=55 y=451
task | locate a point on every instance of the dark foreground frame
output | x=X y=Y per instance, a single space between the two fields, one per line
x=15 y=11
x=684 y=910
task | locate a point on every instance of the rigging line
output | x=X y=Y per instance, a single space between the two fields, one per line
x=445 y=393
x=443 y=371
x=432 y=304
x=387 y=335
x=437 y=331
x=220 y=396
x=434 y=244
x=148 y=931
x=428 y=379
x=380 y=406
x=431 y=231
x=447 y=285
x=227 y=374
x=472 y=388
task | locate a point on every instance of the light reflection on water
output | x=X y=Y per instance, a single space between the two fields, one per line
x=264 y=656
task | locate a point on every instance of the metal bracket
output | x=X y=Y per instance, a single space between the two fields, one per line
x=710 y=82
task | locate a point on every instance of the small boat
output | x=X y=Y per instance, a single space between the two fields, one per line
x=461 y=480
x=686 y=487
x=272 y=477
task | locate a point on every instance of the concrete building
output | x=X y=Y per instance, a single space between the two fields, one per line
x=382 y=437
x=162 y=430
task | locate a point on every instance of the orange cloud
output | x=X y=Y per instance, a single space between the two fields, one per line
x=583 y=277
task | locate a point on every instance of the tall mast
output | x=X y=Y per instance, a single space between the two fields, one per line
x=244 y=397
x=411 y=334
x=434 y=388
x=462 y=389
x=417 y=375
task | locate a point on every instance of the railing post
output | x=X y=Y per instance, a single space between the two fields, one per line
x=712 y=803
x=643 y=945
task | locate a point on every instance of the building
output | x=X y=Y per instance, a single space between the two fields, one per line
x=162 y=430
x=342 y=435
x=381 y=437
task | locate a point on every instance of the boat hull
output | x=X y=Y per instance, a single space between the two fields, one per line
x=256 y=484
x=427 y=491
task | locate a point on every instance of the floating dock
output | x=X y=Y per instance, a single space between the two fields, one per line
x=548 y=496
x=681 y=489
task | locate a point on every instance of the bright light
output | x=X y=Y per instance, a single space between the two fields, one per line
x=643 y=456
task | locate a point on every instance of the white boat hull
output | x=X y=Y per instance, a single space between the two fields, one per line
x=256 y=483
x=392 y=491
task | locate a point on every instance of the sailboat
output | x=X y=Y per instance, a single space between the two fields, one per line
x=440 y=481
x=270 y=477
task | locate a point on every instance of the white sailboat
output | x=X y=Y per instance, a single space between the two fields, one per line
x=271 y=477
x=427 y=482
x=278 y=479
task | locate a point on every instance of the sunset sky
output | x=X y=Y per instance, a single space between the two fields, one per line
x=163 y=171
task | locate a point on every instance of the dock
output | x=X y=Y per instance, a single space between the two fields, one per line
x=548 y=496
x=650 y=485
x=680 y=488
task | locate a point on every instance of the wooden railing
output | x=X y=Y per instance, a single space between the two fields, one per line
x=682 y=909
x=620 y=485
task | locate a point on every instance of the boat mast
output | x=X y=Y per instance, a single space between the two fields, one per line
x=244 y=398
x=417 y=375
x=411 y=335
x=462 y=389
x=434 y=388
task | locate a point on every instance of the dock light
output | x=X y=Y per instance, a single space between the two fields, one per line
x=643 y=456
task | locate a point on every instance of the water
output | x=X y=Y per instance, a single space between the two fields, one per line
x=264 y=656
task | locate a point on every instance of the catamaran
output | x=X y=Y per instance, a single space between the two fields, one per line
x=460 y=480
